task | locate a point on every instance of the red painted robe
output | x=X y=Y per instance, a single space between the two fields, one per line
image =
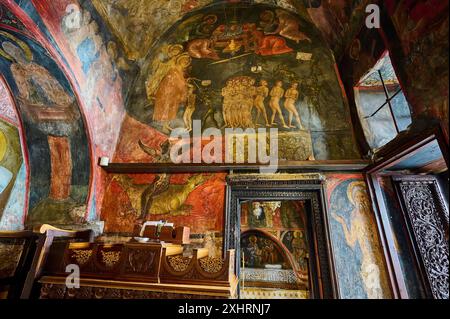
x=171 y=93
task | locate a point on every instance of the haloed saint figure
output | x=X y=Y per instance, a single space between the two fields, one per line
x=362 y=232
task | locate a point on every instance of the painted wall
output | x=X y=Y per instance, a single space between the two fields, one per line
x=193 y=200
x=422 y=28
x=286 y=221
x=359 y=260
x=221 y=67
x=55 y=133
x=13 y=173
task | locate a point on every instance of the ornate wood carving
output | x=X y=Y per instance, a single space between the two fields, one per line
x=179 y=269
x=59 y=291
x=428 y=220
x=283 y=187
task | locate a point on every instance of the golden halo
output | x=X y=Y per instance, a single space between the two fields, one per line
x=174 y=49
x=25 y=48
x=213 y=16
x=3 y=145
x=352 y=186
x=184 y=60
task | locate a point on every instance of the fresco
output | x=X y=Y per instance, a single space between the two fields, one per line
x=358 y=256
x=15 y=210
x=339 y=21
x=192 y=200
x=243 y=66
x=53 y=127
x=286 y=222
x=10 y=162
x=99 y=68
x=7 y=110
x=129 y=20
x=422 y=27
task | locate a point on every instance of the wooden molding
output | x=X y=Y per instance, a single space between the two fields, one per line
x=329 y=165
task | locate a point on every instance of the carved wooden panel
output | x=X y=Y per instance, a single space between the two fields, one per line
x=55 y=291
x=428 y=222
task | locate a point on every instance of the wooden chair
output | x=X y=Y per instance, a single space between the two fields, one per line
x=47 y=236
x=17 y=250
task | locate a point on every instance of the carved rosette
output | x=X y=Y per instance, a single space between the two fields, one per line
x=211 y=264
x=178 y=262
x=430 y=238
x=82 y=256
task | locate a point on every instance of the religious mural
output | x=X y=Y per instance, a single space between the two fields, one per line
x=192 y=200
x=240 y=66
x=286 y=223
x=13 y=175
x=338 y=20
x=53 y=126
x=10 y=163
x=359 y=261
x=422 y=28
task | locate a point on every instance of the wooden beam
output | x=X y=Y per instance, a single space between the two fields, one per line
x=141 y=168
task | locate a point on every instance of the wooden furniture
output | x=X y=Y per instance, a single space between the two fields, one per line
x=383 y=172
x=16 y=254
x=175 y=235
x=48 y=236
x=140 y=270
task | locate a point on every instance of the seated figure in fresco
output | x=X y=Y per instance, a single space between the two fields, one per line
x=40 y=94
x=253 y=254
x=202 y=49
x=289 y=27
x=266 y=45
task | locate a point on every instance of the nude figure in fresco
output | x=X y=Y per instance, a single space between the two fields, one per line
x=172 y=92
x=262 y=92
x=363 y=232
x=190 y=108
x=276 y=94
x=291 y=96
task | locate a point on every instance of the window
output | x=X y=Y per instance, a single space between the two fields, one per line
x=382 y=107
